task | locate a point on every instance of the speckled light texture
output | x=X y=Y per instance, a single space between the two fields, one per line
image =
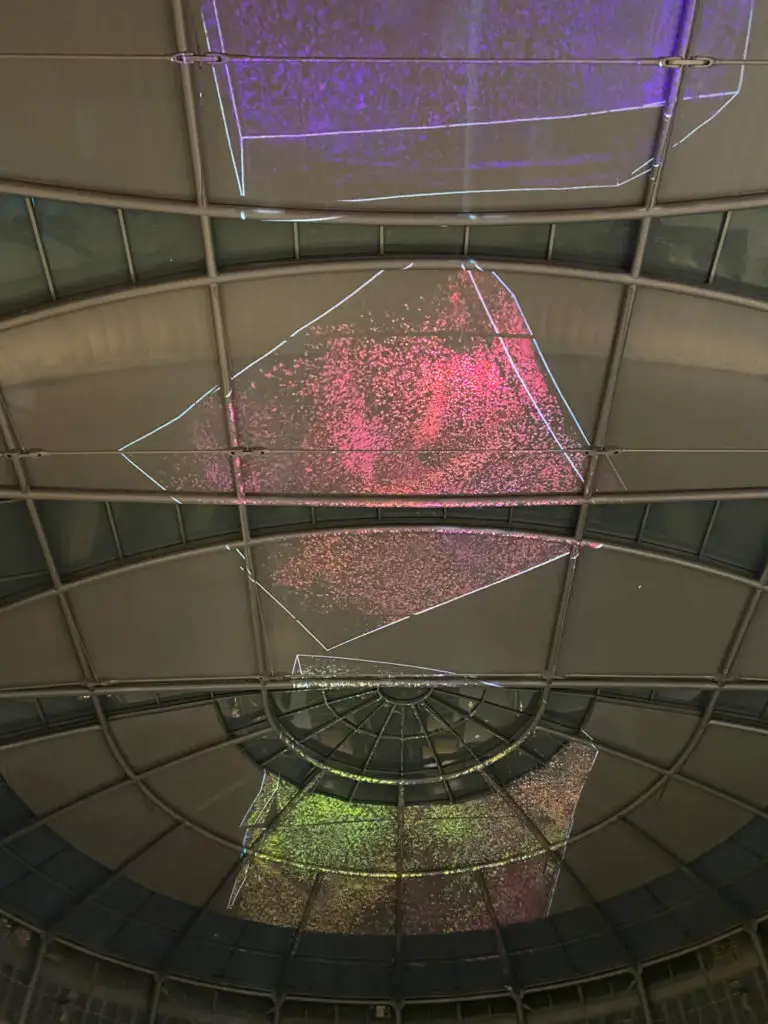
x=443 y=848
x=342 y=583
x=443 y=903
x=354 y=906
x=418 y=383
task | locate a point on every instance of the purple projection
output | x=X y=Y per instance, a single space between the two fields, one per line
x=410 y=383
x=403 y=100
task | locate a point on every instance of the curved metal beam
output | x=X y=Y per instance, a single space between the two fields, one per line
x=298 y=268
x=234 y=685
x=93 y=197
x=176 y=554
x=399 y=501
x=677 y=864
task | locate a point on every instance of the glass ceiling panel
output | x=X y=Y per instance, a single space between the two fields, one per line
x=385 y=602
x=22 y=281
x=691 y=396
x=723 y=153
x=744 y=261
x=125 y=368
x=424 y=106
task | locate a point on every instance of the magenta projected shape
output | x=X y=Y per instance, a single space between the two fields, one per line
x=411 y=100
x=409 y=383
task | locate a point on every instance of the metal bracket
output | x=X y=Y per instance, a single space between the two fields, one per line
x=200 y=59
x=681 y=63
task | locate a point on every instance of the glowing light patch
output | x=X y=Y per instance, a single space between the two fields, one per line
x=446 y=849
x=394 y=389
x=344 y=585
x=378 y=129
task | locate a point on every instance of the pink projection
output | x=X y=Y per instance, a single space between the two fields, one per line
x=415 y=382
x=344 y=585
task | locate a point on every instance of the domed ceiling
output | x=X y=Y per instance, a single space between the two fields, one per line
x=383 y=492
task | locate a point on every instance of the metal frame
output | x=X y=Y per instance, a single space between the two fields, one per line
x=170 y=555
x=402 y=501
x=296 y=268
x=152 y=204
x=547 y=681
x=635 y=973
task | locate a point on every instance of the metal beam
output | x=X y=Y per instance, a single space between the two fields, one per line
x=548 y=849
x=294 y=268
x=689 y=870
x=402 y=501
x=174 y=554
x=232 y=685
x=223 y=361
x=496 y=927
x=397 y=967
x=226 y=879
x=126 y=246
x=736 y=910
x=757 y=942
x=29 y=995
x=643 y=995
x=42 y=254
x=93 y=197
x=304 y=920
x=60 y=922
x=664 y=773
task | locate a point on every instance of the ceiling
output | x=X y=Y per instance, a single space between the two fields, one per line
x=383 y=492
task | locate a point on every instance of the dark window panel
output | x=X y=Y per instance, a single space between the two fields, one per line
x=739 y=535
x=19 y=716
x=22 y=281
x=22 y=566
x=338 y=239
x=548 y=518
x=145 y=527
x=417 y=241
x=262 y=517
x=84 y=246
x=67 y=709
x=206 y=522
x=522 y=241
x=678 y=525
x=251 y=241
x=494 y=515
x=343 y=516
x=605 y=243
x=164 y=244
x=682 y=247
x=744 y=259
x=78 y=533
x=621 y=521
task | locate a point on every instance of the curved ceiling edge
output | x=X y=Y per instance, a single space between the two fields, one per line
x=95 y=197
x=225 y=545
x=314 y=266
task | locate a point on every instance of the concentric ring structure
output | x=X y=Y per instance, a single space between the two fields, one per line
x=384 y=512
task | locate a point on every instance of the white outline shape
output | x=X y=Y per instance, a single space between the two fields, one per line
x=500 y=339
x=433 y=607
x=450 y=126
x=541 y=354
x=217 y=387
